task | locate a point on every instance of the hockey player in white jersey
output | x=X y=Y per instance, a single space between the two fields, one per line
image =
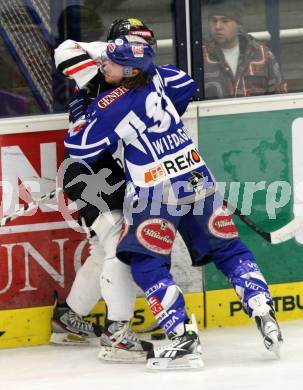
x=169 y=188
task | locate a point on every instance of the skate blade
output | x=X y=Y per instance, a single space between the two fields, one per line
x=68 y=339
x=118 y=355
x=187 y=362
x=275 y=347
x=276 y=351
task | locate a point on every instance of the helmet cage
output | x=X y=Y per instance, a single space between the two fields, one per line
x=127 y=71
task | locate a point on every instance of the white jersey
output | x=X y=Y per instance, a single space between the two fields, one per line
x=79 y=61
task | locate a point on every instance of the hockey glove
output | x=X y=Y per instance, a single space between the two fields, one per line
x=77 y=105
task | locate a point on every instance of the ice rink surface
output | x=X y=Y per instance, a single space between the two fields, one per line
x=234 y=358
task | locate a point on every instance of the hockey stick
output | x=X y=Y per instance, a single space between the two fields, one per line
x=283 y=234
x=28 y=207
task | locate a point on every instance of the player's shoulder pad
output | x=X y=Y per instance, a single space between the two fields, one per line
x=170 y=72
x=173 y=76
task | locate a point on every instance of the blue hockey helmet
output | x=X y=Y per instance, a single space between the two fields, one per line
x=131 y=51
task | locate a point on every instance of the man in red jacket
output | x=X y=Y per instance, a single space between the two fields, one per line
x=235 y=64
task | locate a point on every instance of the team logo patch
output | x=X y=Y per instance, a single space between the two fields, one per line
x=156 y=235
x=138 y=51
x=118 y=42
x=221 y=225
x=111 y=47
x=124 y=231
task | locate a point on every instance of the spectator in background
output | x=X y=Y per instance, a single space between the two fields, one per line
x=235 y=64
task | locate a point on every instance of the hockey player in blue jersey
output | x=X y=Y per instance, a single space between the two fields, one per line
x=102 y=274
x=169 y=188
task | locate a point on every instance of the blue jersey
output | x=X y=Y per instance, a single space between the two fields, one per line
x=158 y=153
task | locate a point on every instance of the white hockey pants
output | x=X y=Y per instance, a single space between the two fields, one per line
x=103 y=275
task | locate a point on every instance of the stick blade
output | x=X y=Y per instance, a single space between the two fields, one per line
x=287 y=232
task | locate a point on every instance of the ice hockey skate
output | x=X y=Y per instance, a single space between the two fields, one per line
x=267 y=324
x=270 y=330
x=68 y=328
x=120 y=344
x=183 y=353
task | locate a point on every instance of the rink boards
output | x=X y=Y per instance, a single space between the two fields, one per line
x=214 y=309
x=40 y=252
